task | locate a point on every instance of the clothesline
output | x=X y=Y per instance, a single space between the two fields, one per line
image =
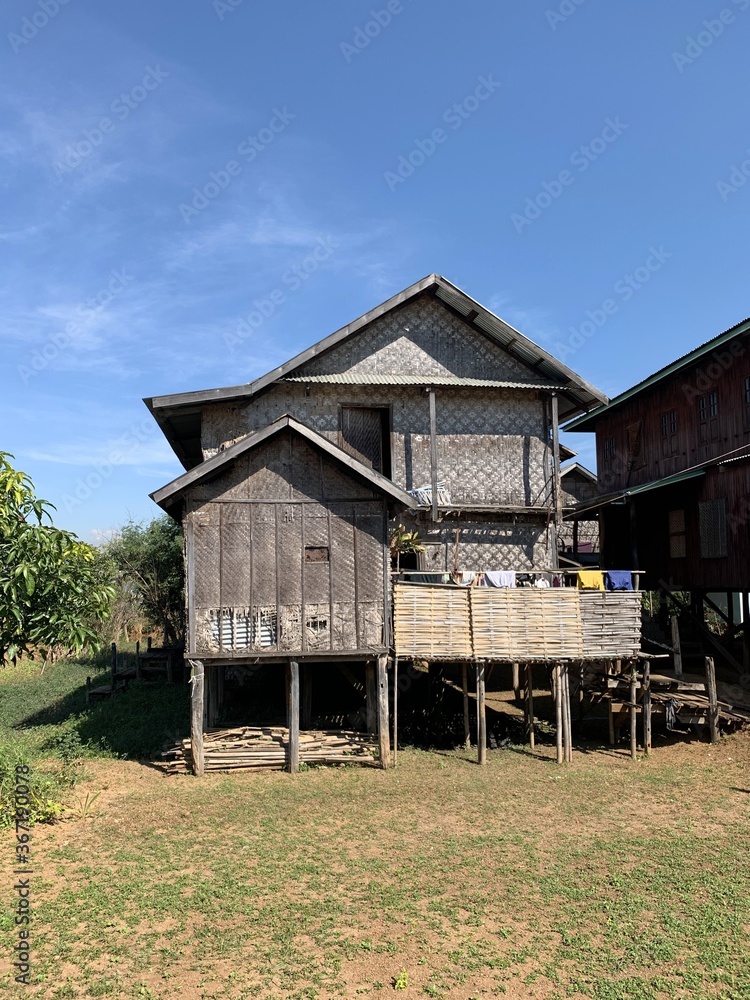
x=584 y=579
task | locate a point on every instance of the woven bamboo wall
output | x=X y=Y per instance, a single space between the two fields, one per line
x=445 y=623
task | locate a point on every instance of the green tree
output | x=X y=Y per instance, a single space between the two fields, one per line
x=53 y=592
x=150 y=567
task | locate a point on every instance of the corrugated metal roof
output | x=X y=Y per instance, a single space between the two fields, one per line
x=587 y=422
x=367 y=378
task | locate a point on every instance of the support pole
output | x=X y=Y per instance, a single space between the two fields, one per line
x=633 y=713
x=529 y=672
x=395 y=710
x=647 y=708
x=293 y=687
x=516 y=682
x=557 y=694
x=384 y=734
x=196 y=716
x=713 y=700
x=371 y=695
x=566 y=689
x=465 y=688
x=675 y=626
x=481 y=715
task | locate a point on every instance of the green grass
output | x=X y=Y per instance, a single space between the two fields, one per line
x=605 y=880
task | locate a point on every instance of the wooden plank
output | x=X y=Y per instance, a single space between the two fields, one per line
x=196 y=717
x=675 y=627
x=384 y=738
x=293 y=686
x=713 y=708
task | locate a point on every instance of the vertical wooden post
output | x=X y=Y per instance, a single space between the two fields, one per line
x=307 y=683
x=529 y=672
x=433 y=454
x=196 y=716
x=465 y=690
x=568 y=712
x=633 y=712
x=556 y=481
x=557 y=695
x=675 y=626
x=384 y=729
x=481 y=715
x=476 y=697
x=371 y=697
x=516 y=682
x=647 y=708
x=713 y=700
x=293 y=686
x=395 y=709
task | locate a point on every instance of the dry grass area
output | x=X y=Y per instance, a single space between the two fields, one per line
x=606 y=879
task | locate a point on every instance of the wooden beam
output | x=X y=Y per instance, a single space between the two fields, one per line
x=395 y=709
x=196 y=716
x=675 y=627
x=633 y=713
x=293 y=687
x=384 y=735
x=713 y=706
x=481 y=714
x=433 y=454
x=516 y=683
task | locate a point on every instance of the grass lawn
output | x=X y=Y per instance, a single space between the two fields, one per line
x=604 y=879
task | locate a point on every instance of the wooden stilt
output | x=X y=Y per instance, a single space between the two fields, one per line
x=647 y=708
x=633 y=713
x=481 y=715
x=557 y=695
x=384 y=729
x=610 y=714
x=476 y=697
x=196 y=716
x=566 y=708
x=465 y=689
x=293 y=687
x=395 y=710
x=371 y=698
x=675 y=626
x=713 y=705
x=530 y=733
x=516 y=682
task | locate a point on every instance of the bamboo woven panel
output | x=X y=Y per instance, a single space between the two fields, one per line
x=611 y=623
x=432 y=622
x=526 y=624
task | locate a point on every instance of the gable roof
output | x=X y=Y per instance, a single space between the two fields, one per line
x=588 y=421
x=581 y=470
x=179 y=414
x=171 y=494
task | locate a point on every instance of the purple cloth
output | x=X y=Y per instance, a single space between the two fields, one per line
x=618 y=579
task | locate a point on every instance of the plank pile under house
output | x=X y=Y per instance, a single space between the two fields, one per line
x=429 y=413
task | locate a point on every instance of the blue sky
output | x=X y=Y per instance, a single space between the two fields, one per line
x=167 y=167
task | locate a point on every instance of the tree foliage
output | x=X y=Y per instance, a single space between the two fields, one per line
x=53 y=589
x=150 y=568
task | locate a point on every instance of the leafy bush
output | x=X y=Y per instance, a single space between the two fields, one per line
x=47 y=786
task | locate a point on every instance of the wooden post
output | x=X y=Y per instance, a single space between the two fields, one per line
x=433 y=454
x=293 y=686
x=557 y=694
x=556 y=481
x=476 y=698
x=529 y=673
x=196 y=716
x=465 y=689
x=371 y=697
x=675 y=625
x=395 y=709
x=633 y=713
x=384 y=729
x=647 y=708
x=516 y=682
x=307 y=682
x=713 y=700
x=481 y=715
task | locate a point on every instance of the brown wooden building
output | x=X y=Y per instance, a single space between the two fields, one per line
x=428 y=411
x=673 y=454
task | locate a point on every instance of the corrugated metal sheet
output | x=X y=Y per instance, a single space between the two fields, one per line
x=348 y=378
